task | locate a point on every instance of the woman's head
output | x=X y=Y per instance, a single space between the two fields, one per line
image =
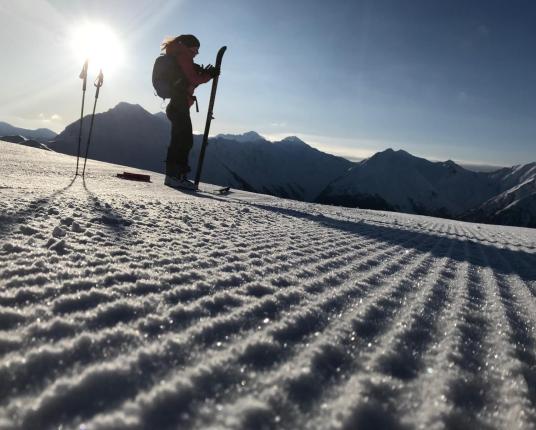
x=187 y=40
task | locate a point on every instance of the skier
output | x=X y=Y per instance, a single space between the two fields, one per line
x=183 y=48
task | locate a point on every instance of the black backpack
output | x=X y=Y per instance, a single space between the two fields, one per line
x=167 y=76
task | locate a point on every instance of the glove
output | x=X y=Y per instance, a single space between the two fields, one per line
x=212 y=71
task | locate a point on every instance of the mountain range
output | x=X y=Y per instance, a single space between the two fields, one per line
x=41 y=134
x=389 y=180
x=399 y=181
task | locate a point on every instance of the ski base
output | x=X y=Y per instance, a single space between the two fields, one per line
x=218 y=191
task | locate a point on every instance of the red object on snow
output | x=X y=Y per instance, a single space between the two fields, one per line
x=134 y=177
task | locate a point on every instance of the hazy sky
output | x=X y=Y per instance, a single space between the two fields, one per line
x=440 y=79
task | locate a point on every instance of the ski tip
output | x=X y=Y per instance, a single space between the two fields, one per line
x=225 y=190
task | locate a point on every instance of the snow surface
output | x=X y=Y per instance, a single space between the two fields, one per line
x=131 y=305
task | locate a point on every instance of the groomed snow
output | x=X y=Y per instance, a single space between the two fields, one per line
x=128 y=305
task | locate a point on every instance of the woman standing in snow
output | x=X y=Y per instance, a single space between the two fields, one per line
x=183 y=48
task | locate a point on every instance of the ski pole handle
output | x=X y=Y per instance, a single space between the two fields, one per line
x=83 y=74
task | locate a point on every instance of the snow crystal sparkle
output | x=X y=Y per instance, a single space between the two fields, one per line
x=156 y=313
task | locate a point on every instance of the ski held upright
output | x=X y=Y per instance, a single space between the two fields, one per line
x=210 y=115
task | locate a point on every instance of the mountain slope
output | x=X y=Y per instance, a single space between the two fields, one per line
x=41 y=134
x=515 y=206
x=126 y=134
x=127 y=305
x=26 y=142
x=513 y=176
x=396 y=180
x=288 y=168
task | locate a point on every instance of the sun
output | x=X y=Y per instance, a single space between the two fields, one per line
x=98 y=43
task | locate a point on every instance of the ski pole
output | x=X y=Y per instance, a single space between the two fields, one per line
x=98 y=84
x=210 y=116
x=83 y=76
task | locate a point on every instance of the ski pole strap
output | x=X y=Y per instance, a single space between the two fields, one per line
x=196 y=105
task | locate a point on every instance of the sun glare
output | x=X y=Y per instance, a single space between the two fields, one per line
x=98 y=43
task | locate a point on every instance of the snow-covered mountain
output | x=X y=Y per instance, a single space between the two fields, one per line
x=399 y=181
x=515 y=206
x=516 y=175
x=403 y=182
x=287 y=168
x=41 y=134
x=250 y=136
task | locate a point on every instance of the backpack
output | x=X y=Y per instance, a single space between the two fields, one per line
x=167 y=76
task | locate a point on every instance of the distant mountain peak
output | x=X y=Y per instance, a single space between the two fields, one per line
x=293 y=139
x=452 y=165
x=253 y=135
x=398 y=152
x=124 y=107
x=390 y=155
x=250 y=136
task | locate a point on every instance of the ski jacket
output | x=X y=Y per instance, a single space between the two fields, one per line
x=194 y=74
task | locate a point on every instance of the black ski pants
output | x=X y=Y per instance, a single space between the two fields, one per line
x=181 y=137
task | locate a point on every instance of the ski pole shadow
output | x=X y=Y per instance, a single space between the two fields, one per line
x=523 y=264
x=106 y=216
x=9 y=221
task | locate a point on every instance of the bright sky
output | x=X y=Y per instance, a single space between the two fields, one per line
x=441 y=79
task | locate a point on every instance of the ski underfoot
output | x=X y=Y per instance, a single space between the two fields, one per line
x=218 y=191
